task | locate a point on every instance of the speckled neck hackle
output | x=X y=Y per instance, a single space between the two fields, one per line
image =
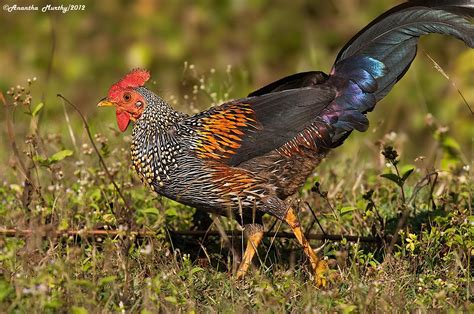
x=154 y=147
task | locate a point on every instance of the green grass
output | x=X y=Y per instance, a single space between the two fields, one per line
x=429 y=267
x=228 y=48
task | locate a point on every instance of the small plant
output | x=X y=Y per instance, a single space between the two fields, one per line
x=391 y=155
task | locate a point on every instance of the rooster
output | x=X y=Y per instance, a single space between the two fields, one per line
x=247 y=156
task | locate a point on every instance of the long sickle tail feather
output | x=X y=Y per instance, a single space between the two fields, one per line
x=391 y=39
x=377 y=57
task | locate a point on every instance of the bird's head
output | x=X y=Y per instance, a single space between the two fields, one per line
x=126 y=98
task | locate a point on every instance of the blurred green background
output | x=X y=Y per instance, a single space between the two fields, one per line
x=237 y=46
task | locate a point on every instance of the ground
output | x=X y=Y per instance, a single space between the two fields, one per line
x=68 y=242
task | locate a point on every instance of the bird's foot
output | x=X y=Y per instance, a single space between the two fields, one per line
x=254 y=237
x=241 y=272
x=321 y=273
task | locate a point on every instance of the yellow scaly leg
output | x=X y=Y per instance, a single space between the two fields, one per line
x=320 y=267
x=254 y=237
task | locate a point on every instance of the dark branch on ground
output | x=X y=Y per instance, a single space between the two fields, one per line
x=193 y=233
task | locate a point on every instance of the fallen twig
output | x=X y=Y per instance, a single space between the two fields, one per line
x=48 y=233
x=289 y=235
x=193 y=233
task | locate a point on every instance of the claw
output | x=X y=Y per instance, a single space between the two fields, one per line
x=240 y=275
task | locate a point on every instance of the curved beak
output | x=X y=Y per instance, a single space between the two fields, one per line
x=104 y=102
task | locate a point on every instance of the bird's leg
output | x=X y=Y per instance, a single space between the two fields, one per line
x=319 y=267
x=254 y=235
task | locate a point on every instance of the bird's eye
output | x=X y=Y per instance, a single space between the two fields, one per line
x=138 y=104
x=127 y=97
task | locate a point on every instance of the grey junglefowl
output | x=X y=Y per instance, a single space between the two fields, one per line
x=249 y=155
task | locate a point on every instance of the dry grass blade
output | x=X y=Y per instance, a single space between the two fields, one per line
x=441 y=70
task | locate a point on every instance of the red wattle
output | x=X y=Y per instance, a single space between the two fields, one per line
x=123 y=120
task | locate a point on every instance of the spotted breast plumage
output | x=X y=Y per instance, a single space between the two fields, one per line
x=247 y=156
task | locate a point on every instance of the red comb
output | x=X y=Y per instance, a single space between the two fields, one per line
x=132 y=79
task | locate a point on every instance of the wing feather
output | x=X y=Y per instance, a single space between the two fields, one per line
x=246 y=128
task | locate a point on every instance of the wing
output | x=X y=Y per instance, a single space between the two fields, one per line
x=298 y=80
x=246 y=128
